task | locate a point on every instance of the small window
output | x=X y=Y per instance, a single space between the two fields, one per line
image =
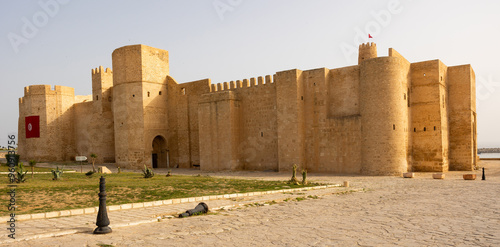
x=425 y=129
x=159 y=93
x=441 y=78
x=133 y=95
x=148 y=94
x=404 y=96
x=261 y=134
x=393 y=127
x=301 y=97
x=97 y=97
x=434 y=127
x=183 y=91
x=414 y=129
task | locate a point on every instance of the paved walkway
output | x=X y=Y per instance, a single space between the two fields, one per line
x=389 y=211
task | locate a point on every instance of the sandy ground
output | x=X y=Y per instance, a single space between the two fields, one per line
x=391 y=211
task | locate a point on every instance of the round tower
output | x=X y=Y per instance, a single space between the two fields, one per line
x=367 y=51
x=384 y=115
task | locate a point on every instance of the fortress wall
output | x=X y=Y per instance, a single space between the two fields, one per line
x=290 y=119
x=429 y=153
x=185 y=99
x=254 y=113
x=258 y=143
x=443 y=110
x=384 y=115
x=462 y=116
x=332 y=120
x=328 y=118
x=219 y=118
x=343 y=92
x=83 y=116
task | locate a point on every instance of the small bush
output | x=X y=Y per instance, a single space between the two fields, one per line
x=148 y=173
x=12 y=156
x=89 y=173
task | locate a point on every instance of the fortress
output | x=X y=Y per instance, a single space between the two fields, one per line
x=383 y=116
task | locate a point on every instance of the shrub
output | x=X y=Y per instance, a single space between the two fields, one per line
x=89 y=173
x=148 y=173
x=294 y=179
x=20 y=174
x=12 y=156
x=57 y=174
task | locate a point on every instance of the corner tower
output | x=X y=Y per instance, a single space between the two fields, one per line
x=139 y=106
x=384 y=113
x=367 y=51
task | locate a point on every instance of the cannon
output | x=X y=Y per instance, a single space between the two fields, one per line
x=202 y=208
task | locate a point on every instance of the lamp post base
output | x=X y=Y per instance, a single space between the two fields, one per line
x=103 y=230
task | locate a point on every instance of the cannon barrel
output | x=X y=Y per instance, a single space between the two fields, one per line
x=202 y=208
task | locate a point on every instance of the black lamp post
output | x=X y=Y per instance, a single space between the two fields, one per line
x=102 y=216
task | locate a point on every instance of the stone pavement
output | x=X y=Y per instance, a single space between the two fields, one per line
x=387 y=211
x=51 y=227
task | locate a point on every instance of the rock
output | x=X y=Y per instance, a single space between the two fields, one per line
x=470 y=176
x=103 y=169
x=438 y=175
x=408 y=174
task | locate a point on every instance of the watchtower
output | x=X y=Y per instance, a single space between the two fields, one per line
x=367 y=51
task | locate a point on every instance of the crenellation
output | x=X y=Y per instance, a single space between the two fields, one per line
x=252 y=82
x=260 y=80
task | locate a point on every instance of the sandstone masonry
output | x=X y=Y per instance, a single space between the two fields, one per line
x=384 y=116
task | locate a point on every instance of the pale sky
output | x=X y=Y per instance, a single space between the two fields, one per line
x=58 y=42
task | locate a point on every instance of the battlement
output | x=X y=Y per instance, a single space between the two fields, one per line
x=48 y=90
x=100 y=70
x=368 y=45
x=245 y=83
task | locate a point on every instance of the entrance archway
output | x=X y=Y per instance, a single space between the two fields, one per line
x=160 y=153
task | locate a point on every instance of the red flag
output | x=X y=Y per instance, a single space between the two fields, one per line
x=369 y=36
x=32 y=126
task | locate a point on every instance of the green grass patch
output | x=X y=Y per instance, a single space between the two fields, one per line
x=75 y=190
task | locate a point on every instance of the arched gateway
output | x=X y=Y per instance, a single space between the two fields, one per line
x=160 y=155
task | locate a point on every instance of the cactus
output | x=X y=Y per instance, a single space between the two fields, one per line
x=148 y=173
x=294 y=174
x=304 y=177
x=57 y=174
x=20 y=173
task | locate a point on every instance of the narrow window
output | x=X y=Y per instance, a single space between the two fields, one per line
x=425 y=128
x=261 y=134
x=148 y=94
x=434 y=127
x=97 y=97
x=393 y=127
x=414 y=129
x=441 y=78
x=302 y=97
x=133 y=95
x=159 y=93
x=404 y=97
